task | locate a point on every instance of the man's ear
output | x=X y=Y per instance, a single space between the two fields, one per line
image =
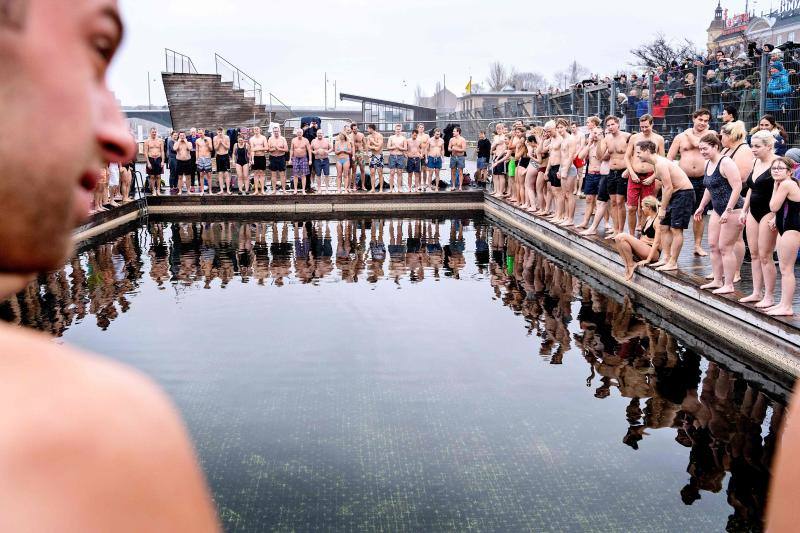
x=12 y=14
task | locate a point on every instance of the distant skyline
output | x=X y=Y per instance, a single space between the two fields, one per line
x=370 y=49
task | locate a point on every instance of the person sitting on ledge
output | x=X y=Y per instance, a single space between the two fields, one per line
x=646 y=246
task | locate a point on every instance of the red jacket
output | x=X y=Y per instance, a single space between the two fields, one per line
x=660 y=106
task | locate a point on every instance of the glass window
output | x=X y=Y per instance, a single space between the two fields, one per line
x=791 y=36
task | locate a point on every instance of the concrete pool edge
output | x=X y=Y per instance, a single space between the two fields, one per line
x=763 y=338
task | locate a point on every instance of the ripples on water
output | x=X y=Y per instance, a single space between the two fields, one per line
x=322 y=397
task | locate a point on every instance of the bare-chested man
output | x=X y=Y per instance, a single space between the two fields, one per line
x=500 y=154
x=183 y=158
x=300 y=155
x=222 y=146
x=277 y=148
x=361 y=158
x=569 y=176
x=435 y=153
x=543 y=193
x=580 y=164
x=555 y=174
x=258 y=151
x=616 y=146
x=414 y=162
x=375 y=147
x=641 y=182
x=458 y=155
x=424 y=140
x=321 y=148
x=677 y=205
x=86 y=444
x=686 y=144
x=154 y=151
x=591 y=182
x=397 y=145
x=202 y=148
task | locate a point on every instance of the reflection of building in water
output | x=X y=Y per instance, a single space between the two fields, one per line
x=718 y=416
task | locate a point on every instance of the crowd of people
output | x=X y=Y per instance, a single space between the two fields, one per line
x=735 y=175
x=307 y=162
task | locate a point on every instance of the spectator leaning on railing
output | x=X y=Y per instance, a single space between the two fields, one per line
x=778 y=90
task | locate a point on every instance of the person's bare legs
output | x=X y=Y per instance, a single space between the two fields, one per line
x=768 y=271
x=598 y=217
x=751 y=227
x=714 y=231
x=591 y=199
x=632 y=213
x=787 y=256
x=676 y=234
x=729 y=233
x=697 y=228
x=630 y=248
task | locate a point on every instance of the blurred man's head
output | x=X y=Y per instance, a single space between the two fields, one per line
x=53 y=62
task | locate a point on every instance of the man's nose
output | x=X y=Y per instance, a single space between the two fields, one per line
x=111 y=130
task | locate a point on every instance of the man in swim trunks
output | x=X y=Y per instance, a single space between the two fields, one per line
x=554 y=173
x=458 y=154
x=414 y=161
x=641 y=182
x=202 y=148
x=277 y=148
x=361 y=159
x=616 y=146
x=321 y=149
x=434 y=159
x=87 y=443
x=222 y=146
x=397 y=145
x=591 y=183
x=424 y=139
x=375 y=147
x=258 y=149
x=569 y=174
x=687 y=145
x=154 y=150
x=580 y=164
x=677 y=205
x=173 y=163
x=183 y=158
x=300 y=155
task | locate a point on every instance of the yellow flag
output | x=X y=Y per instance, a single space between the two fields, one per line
x=469 y=86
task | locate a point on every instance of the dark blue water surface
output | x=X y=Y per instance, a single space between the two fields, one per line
x=416 y=375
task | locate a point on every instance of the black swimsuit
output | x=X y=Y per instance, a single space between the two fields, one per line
x=649 y=229
x=720 y=189
x=760 y=193
x=241 y=155
x=788 y=217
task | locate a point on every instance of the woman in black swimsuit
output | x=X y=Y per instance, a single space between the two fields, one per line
x=241 y=152
x=734 y=139
x=756 y=216
x=630 y=248
x=785 y=203
x=723 y=185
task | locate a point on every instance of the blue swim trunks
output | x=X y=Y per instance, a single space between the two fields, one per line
x=435 y=162
x=397 y=162
x=457 y=161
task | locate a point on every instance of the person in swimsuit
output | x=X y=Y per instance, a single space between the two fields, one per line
x=723 y=186
x=630 y=247
x=277 y=148
x=300 y=155
x=222 y=146
x=435 y=151
x=321 y=149
x=375 y=147
x=756 y=218
x=785 y=204
x=531 y=166
x=344 y=152
x=242 y=154
x=154 y=150
x=733 y=136
x=499 y=157
x=258 y=159
x=542 y=187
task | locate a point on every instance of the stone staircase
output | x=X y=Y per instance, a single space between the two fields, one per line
x=205 y=101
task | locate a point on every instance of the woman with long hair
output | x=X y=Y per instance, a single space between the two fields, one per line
x=734 y=137
x=241 y=154
x=723 y=187
x=768 y=123
x=756 y=218
x=785 y=203
x=532 y=170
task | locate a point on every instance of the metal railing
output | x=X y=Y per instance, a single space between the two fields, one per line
x=177 y=63
x=240 y=79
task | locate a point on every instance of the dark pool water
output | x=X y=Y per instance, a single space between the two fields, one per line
x=415 y=375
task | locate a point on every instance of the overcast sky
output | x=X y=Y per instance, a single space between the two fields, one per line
x=385 y=49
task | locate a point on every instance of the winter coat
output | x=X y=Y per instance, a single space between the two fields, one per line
x=778 y=90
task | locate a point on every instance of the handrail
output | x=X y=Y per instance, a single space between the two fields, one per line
x=236 y=77
x=186 y=63
x=271 y=96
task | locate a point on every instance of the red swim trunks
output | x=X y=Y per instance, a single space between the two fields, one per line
x=578 y=162
x=637 y=191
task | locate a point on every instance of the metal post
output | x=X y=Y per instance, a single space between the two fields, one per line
x=613 y=107
x=651 y=91
x=533 y=105
x=698 y=87
x=549 y=107
x=334 y=95
x=149 y=101
x=762 y=92
x=599 y=105
x=572 y=102
x=326 y=92
x=585 y=104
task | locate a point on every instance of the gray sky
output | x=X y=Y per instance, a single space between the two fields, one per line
x=373 y=48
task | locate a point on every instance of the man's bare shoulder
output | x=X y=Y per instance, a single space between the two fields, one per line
x=86 y=441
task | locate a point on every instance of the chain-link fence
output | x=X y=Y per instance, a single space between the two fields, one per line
x=749 y=87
